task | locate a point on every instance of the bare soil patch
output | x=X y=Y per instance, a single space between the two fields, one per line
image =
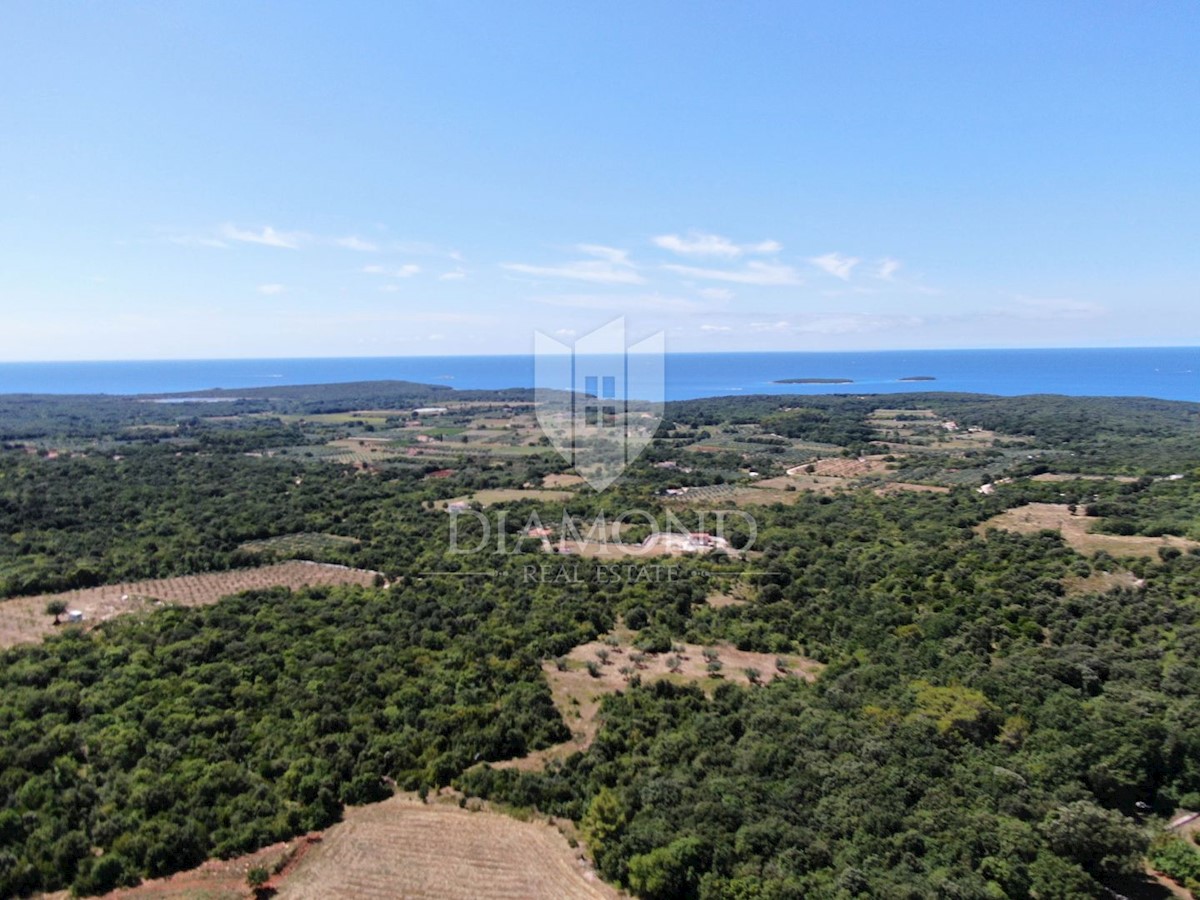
x=492 y=496
x=721 y=599
x=896 y=487
x=404 y=848
x=892 y=414
x=850 y=468
x=562 y=480
x=1059 y=476
x=1100 y=582
x=400 y=848
x=1035 y=517
x=23 y=619
x=577 y=693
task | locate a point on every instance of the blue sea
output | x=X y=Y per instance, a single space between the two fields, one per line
x=1167 y=373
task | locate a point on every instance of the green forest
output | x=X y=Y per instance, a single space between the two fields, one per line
x=994 y=719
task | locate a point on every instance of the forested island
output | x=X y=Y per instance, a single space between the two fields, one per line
x=919 y=378
x=943 y=665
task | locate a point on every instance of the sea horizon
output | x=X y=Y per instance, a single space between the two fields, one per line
x=1169 y=373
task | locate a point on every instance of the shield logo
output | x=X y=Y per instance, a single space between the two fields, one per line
x=599 y=402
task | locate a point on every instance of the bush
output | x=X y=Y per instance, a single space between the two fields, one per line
x=257 y=877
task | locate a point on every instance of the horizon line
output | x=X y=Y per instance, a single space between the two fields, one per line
x=530 y=354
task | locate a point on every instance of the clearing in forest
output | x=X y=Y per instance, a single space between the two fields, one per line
x=562 y=480
x=847 y=467
x=577 y=693
x=491 y=496
x=896 y=487
x=405 y=848
x=24 y=619
x=399 y=848
x=300 y=545
x=1075 y=530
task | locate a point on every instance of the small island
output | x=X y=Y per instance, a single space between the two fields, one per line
x=919 y=378
x=814 y=381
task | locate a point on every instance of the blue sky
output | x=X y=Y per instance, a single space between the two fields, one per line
x=206 y=179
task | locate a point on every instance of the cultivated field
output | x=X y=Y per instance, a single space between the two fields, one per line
x=362 y=452
x=1035 y=517
x=23 y=619
x=400 y=848
x=404 y=848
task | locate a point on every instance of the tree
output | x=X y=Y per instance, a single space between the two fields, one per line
x=56 y=608
x=604 y=821
x=671 y=871
x=1101 y=840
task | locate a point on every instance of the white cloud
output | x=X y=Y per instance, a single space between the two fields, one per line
x=758 y=273
x=715 y=328
x=837 y=324
x=855 y=324
x=623 y=302
x=614 y=255
x=408 y=270
x=353 y=242
x=456 y=275
x=699 y=243
x=612 y=267
x=271 y=289
x=267 y=237
x=565 y=332
x=836 y=264
x=771 y=326
x=716 y=293
x=887 y=268
x=1054 y=308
